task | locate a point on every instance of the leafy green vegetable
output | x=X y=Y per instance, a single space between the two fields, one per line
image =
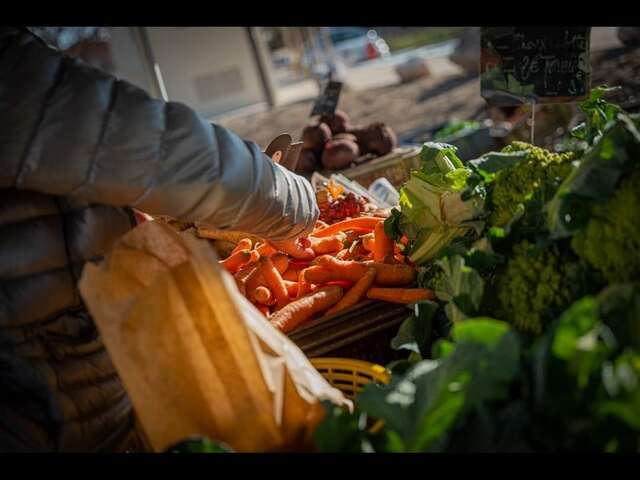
x=533 y=287
x=516 y=184
x=416 y=331
x=456 y=128
x=433 y=212
x=423 y=405
x=596 y=177
x=558 y=259
x=598 y=113
x=612 y=233
x=460 y=286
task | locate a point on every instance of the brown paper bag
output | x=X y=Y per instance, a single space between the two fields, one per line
x=195 y=356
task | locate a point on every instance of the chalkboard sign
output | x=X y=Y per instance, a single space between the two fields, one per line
x=328 y=101
x=534 y=64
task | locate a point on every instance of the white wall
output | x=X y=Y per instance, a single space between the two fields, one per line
x=211 y=69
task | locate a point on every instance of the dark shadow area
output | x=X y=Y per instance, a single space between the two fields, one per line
x=445 y=86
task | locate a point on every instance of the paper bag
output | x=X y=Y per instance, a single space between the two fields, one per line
x=194 y=355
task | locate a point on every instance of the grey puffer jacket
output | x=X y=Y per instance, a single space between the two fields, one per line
x=77 y=149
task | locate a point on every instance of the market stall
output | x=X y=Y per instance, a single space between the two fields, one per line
x=470 y=292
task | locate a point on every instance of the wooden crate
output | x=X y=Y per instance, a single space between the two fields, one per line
x=363 y=332
x=395 y=167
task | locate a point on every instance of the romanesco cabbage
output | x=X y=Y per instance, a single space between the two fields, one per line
x=517 y=184
x=610 y=242
x=532 y=288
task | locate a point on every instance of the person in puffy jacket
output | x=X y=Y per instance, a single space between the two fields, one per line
x=78 y=150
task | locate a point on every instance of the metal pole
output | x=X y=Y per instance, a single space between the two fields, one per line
x=262 y=70
x=152 y=67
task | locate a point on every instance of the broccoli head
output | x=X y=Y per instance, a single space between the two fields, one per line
x=610 y=241
x=532 y=289
x=517 y=184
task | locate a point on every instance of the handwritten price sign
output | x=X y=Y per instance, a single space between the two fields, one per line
x=535 y=64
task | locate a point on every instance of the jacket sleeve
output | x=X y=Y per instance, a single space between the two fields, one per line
x=69 y=129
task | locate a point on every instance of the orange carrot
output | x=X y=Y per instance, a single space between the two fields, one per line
x=368 y=241
x=383 y=245
x=274 y=282
x=264 y=310
x=326 y=245
x=264 y=296
x=243 y=244
x=304 y=242
x=342 y=254
x=304 y=287
x=292 y=288
x=235 y=262
x=355 y=293
x=395 y=275
x=294 y=249
x=351 y=236
x=291 y=274
x=298 y=311
x=266 y=250
x=358 y=222
x=387 y=275
x=281 y=262
x=400 y=295
x=241 y=277
x=320 y=224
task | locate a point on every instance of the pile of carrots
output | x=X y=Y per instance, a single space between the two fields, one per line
x=333 y=269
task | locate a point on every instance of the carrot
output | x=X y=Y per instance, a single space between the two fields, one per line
x=241 y=277
x=389 y=259
x=393 y=275
x=291 y=274
x=266 y=250
x=296 y=250
x=404 y=240
x=355 y=293
x=274 y=282
x=342 y=254
x=264 y=310
x=400 y=295
x=243 y=244
x=356 y=250
x=326 y=245
x=252 y=282
x=292 y=288
x=341 y=283
x=299 y=263
x=235 y=262
x=264 y=296
x=368 y=241
x=358 y=222
x=387 y=275
x=351 y=236
x=281 y=262
x=304 y=242
x=320 y=275
x=304 y=287
x=320 y=225
x=383 y=245
x=298 y=311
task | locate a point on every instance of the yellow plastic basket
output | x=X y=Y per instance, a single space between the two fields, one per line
x=350 y=376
